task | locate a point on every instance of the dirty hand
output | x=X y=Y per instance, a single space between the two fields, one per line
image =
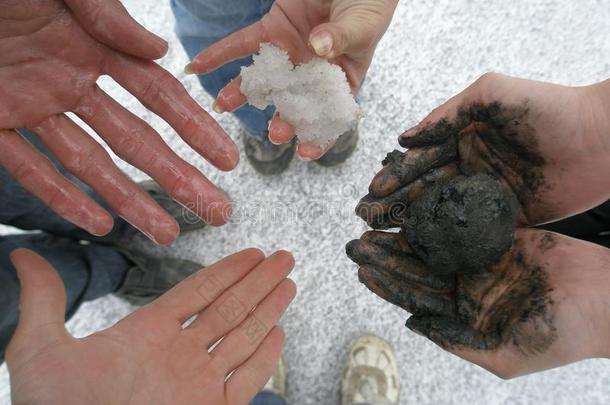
x=344 y=31
x=150 y=357
x=548 y=144
x=529 y=312
x=53 y=52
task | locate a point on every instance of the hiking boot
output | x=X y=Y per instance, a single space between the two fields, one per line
x=341 y=150
x=187 y=220
x=371 y=375
x=151 y=277
x=267 y=158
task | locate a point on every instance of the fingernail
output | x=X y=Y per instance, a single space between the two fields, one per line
x=410 y=132
x=217 y=107
x=322 y=43
x=162 y=44
x=305 y=159
x=188 y=69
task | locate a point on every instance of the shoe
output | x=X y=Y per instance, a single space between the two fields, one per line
x=371 y=375
x=277 y=382
x=267 y=158
x=151 y=277
x=187 y=220
x=341 y=150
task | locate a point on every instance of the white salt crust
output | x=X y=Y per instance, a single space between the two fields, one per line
x=314 y=97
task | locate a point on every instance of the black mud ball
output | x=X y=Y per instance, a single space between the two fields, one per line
x=463 y=225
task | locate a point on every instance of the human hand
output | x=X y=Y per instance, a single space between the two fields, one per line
x=546 y=143
x=346 y=32
x=150 y=357
x=53 y=52
x=543 y=305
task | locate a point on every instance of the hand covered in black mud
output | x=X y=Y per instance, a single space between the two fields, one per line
x=528 y=312
x=549 y=145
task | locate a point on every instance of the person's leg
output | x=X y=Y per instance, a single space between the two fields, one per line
x=268 y=398
x=200 y=23
x=89 y=271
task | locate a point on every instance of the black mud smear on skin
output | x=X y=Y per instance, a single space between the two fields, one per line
x=463 y=230
x=510 y=305
x=505 y=143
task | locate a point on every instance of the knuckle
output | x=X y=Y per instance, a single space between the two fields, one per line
x=487 y=82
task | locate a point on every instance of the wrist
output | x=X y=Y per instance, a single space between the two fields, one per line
x=596 y=103
x=603 y=304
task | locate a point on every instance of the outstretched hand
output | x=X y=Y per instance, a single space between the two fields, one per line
x=543 y=305
x=53 y=52
x=548 y=144
x=344 y=31
x=150 y=357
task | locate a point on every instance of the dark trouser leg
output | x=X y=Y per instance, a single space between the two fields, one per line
x=268 y=398
x=592 y=225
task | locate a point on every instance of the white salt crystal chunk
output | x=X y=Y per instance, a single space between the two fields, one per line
x=314 y=97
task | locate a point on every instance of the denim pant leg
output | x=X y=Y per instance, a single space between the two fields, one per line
x=22 y=210
x=268 y=398
x=89 y=271
x=200 y=23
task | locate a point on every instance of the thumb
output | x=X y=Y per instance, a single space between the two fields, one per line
x=333 y=39
x=42 y=303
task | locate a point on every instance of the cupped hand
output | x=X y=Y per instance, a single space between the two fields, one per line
x=344 y=31
x=150 y=357
x=548 y=144
x=53 y=52
x=543 y=305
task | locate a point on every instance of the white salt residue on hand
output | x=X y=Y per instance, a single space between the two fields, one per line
x=314 y=97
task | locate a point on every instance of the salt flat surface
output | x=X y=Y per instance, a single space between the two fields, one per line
x=433 y=50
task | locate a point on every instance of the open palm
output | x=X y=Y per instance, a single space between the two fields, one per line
x=150 y=357
x=547 y=144
x=53 y=54
x=542 y=305
x=344 y=31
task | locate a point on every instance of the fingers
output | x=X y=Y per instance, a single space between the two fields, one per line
x=401 y=267
x=280 y=131
x=138 y=144
x=230 y=98
x=199 y=290
x=411 y=298
x=401 y=169
x=109 y=22
x=250 y=378
x=164 y=95
x=42 y=305
x=243 y=341
x=450 y=333
x=310 y=151
x=452 y=116
x=238 y=45
x=232 y=307
x=82 y=156
x=392 y=210
x=38 y=175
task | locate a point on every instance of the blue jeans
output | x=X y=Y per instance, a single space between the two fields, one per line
x=89 y=271
x=200 y=23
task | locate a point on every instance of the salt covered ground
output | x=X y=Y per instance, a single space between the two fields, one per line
x=433 y=49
